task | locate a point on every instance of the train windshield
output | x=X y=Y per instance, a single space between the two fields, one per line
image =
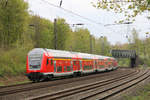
x=35 y=61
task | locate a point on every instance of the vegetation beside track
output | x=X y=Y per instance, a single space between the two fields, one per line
x=20 y=31
x=143 y=94
x=13 y=80
x=13 y=62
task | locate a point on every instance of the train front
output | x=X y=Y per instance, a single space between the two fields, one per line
x=34 y=65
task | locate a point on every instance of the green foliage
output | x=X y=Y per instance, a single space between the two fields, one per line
x=62 y=31
x=136 y=7
x=81 y=41
x=13 y=21
x=41 y=32
x=13 y=61
x=142 y=48
x=21 y=32
x=102 y=46
x=142 y=95
x=123 y=62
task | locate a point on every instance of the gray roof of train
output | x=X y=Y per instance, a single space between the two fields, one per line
x=62 y=53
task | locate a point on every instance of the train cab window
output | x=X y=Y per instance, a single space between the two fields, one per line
x=59 y=68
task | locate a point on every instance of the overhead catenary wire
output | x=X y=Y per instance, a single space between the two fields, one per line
x=76 y=14
x=69 y=11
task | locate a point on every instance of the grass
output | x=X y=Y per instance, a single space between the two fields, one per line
x=1 y=84
x=142 y=95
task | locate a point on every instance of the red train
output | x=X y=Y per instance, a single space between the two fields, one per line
x=43 y=64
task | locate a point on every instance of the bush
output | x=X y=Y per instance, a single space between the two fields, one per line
x=13 y=61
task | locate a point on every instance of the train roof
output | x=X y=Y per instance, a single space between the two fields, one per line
x=67 y=54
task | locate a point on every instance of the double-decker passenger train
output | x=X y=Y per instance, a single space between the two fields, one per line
x=43 y=64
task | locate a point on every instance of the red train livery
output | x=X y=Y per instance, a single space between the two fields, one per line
x=43 y=64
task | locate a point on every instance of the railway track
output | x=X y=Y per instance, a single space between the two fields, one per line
x=29 y=83
x=109 y=85
x=98 y=90
x=9 y=86
x=6 y=90
x=25 y=88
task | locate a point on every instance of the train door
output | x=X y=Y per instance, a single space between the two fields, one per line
x=80 y=64
x=101 y=64
x=54 y=65
x=109 y=63
x=47 y=67
x=50 y=65
x=92 y=64
x=96 y=64
x=59 y=66
x=105 y=63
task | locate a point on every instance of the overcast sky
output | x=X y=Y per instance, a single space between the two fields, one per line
x=114 y=33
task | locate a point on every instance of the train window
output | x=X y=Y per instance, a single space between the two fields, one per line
x=106 y=62
x=84 y=67
x=91 y=67
x=87 y=67
x=109 y=60
x=68 y=68
x=47 y=62
x=101 y=66
x=51 y=61
x=59 y=68
x=65 y=69
x=74 y=62
x=95 y=63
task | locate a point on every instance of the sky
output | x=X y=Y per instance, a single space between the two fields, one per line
x=100 y=18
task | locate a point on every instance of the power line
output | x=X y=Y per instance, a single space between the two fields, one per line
x=69 y=11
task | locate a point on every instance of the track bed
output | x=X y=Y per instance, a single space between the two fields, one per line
x=95 y=86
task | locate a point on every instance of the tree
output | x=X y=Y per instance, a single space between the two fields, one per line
x=42 y=33
x=125 y=6
x=13 y=21
x=62 y=31
x=81 y=40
